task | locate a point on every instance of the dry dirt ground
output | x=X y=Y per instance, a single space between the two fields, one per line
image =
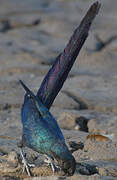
x=32 y=34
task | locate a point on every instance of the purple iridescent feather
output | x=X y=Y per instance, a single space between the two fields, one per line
x=55 y=78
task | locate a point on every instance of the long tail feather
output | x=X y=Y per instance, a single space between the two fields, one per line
x=58 y=73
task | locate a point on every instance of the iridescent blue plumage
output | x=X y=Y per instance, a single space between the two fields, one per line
x=40 y=130
x=42 y=133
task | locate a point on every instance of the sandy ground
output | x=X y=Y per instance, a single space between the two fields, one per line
x=32 y=34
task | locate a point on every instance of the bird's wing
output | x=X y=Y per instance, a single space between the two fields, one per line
x=31 y=117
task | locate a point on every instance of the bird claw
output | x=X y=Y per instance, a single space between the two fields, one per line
x=50 y=161
x=25 y=164
x=31 y=165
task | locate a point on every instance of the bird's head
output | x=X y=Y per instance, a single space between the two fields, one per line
x=64 y=158
x=68 y=166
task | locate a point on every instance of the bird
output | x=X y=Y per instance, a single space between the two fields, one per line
x=40 y=130
x=42 y=133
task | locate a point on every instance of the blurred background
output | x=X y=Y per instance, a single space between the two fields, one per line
x=32 y=34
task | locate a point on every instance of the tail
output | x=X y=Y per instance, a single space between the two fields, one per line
x=58 y=73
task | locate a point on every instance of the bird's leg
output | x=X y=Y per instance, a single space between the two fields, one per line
x=25 y=164
x=50 y=161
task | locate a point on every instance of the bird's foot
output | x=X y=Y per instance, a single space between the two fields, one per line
x=25 y=164
x=50 y=161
